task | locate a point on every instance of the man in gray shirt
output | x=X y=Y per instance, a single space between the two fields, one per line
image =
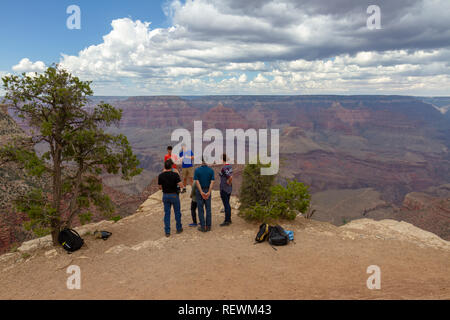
x=226 y=179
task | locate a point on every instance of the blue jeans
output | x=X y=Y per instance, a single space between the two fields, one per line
x=225 y=196
x=194 y=211
x=201 y=204
x=170 y=200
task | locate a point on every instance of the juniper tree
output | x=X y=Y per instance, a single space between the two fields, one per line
x=78 y=149
x=264 y=201
x=255 y=188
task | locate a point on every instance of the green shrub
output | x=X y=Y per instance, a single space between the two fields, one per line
x=282 y=203
x=25 y=255
x=116 y=218
x=85 y=217
x=290 y=200
x=255 y=188
x=257 y=212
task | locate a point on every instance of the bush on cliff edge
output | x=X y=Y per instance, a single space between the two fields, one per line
x=263 y=201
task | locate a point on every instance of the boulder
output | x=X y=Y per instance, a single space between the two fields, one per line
x=51 y=253
x=35 y=244
x=117 y=249
x=8 y=257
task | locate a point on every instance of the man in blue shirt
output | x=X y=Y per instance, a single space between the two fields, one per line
x=187 y=166
x=204 y=182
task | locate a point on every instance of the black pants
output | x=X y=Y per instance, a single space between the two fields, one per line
x=226 y=204
x=193 y=211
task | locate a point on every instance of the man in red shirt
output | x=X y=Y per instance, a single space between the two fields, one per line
x=173 y=157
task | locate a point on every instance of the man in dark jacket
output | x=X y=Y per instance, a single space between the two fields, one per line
x=168 y=182
x=226 y=178
x=194 y=206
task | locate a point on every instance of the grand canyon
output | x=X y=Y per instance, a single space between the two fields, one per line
x=372 y=157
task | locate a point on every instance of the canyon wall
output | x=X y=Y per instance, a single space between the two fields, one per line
x=398 y=146
x=393 y=144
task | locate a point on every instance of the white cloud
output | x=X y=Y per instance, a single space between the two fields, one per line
x=243 y=78
x=260 y=79
x=25 y=65
x=216 y=46
x=3 y=74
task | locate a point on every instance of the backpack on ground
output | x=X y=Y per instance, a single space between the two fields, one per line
x=290 y=235
x=70 y=240
x=263 y=232
x=104 y=235
x=278 y=236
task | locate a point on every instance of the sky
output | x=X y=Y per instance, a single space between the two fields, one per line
x=213 y=47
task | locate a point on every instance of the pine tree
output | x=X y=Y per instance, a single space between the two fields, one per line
x=255 y=188
x=78 y=148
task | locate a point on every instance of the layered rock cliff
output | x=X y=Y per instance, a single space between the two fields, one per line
x=394 y=145
x=429 y=210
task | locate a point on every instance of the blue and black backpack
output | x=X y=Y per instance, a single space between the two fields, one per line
x=70 y=240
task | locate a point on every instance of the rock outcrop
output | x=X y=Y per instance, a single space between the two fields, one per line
x=429 y=210
x=398 y=231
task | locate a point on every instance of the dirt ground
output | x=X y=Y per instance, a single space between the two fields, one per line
x=139 y=262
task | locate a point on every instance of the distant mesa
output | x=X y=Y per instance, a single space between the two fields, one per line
x=293 y=132
x=221 y=117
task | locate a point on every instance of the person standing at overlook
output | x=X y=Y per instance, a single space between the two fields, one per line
x=187 y=167
x=226 y=179
x=168 y=181
x=204 y=182
x=173 y=157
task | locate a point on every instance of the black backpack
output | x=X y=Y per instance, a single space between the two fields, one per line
x=278 y=237
x=263 y=232
x=70 y=240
